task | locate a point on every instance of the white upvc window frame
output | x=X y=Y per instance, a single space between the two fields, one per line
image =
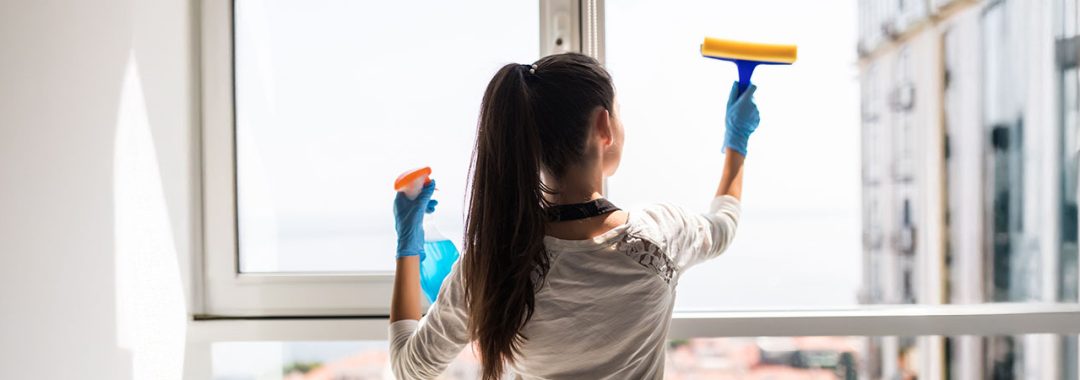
x=232 y=306
x=226 y=290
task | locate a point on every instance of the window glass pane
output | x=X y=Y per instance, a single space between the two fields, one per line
x=1038 y=356
x=334 y=99
x=986 y=233
x=798 y=244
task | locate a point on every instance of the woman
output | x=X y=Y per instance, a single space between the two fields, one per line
x=555 y=281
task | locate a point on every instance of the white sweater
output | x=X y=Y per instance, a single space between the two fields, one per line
x=604 y=308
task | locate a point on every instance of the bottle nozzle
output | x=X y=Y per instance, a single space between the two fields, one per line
x=412 y=181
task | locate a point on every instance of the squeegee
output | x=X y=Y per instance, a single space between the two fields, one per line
x=748 y=55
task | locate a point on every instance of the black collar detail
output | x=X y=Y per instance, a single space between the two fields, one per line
x=595 y=207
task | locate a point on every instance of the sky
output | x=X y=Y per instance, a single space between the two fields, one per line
x=335 y=98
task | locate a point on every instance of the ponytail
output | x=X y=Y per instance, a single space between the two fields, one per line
x=533 y=119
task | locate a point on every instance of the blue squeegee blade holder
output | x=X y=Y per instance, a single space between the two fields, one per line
x=746 y=69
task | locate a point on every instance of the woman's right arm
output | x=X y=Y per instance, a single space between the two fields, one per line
x=692 y=238
x=731 y=180
x=699 y=237
x=695 y=238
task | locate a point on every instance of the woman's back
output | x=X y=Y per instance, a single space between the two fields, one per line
x=603 y=309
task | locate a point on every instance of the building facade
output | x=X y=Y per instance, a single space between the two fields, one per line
x=970 y=134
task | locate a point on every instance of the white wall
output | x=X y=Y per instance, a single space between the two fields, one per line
x=85 y=180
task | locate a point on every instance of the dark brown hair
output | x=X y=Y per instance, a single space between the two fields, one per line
x=533 y=119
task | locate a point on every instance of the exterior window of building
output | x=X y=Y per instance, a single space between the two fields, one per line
x=1003 y=120
x=950 y=99
x=902 y=107
x=873 y=161
x=1009 y=266
x=1068 y=57
x=1069 y=169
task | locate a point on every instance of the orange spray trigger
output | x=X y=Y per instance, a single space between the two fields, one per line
x=412 y=181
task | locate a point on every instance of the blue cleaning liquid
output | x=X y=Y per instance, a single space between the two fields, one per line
x=439 y=257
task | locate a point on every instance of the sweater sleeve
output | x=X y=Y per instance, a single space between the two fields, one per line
x=693 y=238
x=422 y=349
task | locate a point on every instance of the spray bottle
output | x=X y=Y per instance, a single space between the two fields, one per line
x=439 y=252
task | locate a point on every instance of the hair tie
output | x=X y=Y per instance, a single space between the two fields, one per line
x=532 y=69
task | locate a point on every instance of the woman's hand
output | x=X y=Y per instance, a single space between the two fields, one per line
x=409 y=220
x=742 y=118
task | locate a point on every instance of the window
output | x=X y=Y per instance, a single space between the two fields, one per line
x=335 y=99
x=332 y=101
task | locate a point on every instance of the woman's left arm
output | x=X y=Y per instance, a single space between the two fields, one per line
x=409 y=223
x=405 y=303
x=421 y=348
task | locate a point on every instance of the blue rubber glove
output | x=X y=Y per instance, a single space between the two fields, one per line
x=742 y=118
x=409 y=220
